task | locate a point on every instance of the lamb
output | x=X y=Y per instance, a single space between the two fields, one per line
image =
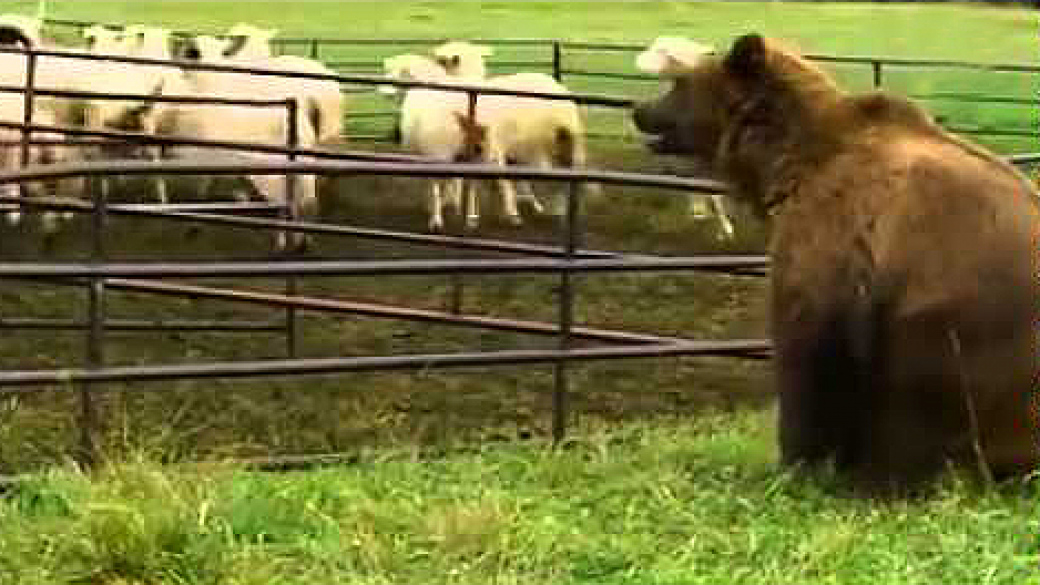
x=244 y=124
x=669 y=58
x=544 y=133
x=465 y=61
x=429 y=125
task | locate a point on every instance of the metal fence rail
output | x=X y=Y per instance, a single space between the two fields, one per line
x=566 y=261
x=560 y=52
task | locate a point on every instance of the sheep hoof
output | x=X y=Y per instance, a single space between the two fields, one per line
x=471 y=222
x=514 y=220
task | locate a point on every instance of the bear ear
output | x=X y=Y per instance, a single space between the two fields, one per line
x=747 y=57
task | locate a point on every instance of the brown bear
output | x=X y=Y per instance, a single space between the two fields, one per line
x=904 y=285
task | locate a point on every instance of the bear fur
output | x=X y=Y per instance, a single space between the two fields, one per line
x=905 y=294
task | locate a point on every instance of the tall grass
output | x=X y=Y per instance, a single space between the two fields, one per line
x=675 y=502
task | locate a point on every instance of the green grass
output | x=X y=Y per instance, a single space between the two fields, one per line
x=677 y=502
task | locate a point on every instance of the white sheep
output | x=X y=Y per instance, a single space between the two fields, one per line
x=465 y=61
x=668 y=58
x=250 y=124
x=429 y=125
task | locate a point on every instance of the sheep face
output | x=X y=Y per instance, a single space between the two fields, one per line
x=462 y=59
x=671 y=56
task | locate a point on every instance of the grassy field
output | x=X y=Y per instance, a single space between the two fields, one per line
x=214 y=418
x=676 y=502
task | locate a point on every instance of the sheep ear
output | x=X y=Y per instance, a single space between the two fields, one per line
x=747 y=57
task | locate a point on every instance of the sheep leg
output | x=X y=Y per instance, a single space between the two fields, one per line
x=434 y=199
x=508 y=192
x=726 y=229
x=453 y=197
x=13 y=217
x=699 y=207
x=526 y=192
x=471 y=204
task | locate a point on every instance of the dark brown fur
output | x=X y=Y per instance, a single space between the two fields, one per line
x=905 y=296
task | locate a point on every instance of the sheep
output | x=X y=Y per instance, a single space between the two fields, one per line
x=428 y=125
x=11 y=111
x=465 y=61
x=244 y=124
x=668 y=58
x=544 y=133
x=250 y=46
x=462 y=59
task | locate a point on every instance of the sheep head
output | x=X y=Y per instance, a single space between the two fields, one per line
x=410 y=67
x=20 y=30
x=462 y=59
x=671 y=56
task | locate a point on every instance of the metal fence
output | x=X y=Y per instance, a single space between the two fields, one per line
x=567 y=259
x=558 y=58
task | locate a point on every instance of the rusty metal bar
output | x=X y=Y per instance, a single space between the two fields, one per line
x=378 y=267
x=290 y=215
x=28 y=102
x=557 y=61
x=584 y=99
x=350 y=167
x=381 y=311
x=751 y=349
x=187 y=211
x=175 y=99
x=565 y=307
x=95 y=353
x=138 y=325
x=149 y=139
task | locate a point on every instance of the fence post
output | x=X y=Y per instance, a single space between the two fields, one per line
x=876 y=66
x=290 y=214
x=565 y=305
x=557 y=61
x=315 y=49
x=458 y=286
x=95 y=358
x=28 y=100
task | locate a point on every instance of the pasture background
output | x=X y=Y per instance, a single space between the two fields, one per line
x=213 y=418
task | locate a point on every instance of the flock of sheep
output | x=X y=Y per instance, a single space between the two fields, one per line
x=435 y=123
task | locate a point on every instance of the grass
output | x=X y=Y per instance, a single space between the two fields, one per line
x=674 y=502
